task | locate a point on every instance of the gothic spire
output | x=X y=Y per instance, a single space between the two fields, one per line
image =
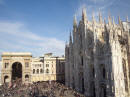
x=104 y=21
x=127 y=20
x=109 y=20
x=93 y=18
x=113 y=21
x=100 y=17
x=105 y=24
x=119 y=20
x=75 y=21
x=74 y=25
x=70 y=37
x=84 y=15
x=66 y=44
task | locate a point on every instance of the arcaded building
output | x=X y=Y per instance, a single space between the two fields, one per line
x=16 y=65
x=23 y=66
x=98 y=57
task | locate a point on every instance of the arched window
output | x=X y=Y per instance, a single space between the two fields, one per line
x=37 y=71
x=103 y=71
x=33 y=71
x=26 y=77
x=41 y=71
x=6 y=79
x=47 y=70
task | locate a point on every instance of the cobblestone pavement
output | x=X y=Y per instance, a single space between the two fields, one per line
x=39 y=89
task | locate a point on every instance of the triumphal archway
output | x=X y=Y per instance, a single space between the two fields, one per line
x=16 y=70
x=16 y=66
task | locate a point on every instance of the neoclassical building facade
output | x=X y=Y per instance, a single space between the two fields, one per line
x=47 y=68
x=54 y=67
x=29 y=69
x=98 y=57
x=37 y=70
x=16 y=65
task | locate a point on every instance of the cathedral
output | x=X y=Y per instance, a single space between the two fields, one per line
x=98 y=57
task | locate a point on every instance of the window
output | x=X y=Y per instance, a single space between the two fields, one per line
x=37 y=71
x=104 y=72
x=33 y=71
x=6 y=65
x=82 y=61
x=41 y=71
x=107 y=75
x=47 y=65
x=94 y=93
x=112 y=89
x=26 y=64
x=47 y=70
x=111 y=76
x=26 y=77
x=6 y=79
x=93 y=72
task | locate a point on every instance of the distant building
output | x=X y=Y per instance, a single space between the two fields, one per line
x=37 y=70
x=54 y=67
x=29 y=69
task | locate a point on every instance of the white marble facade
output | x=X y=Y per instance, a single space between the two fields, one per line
x=97 y=57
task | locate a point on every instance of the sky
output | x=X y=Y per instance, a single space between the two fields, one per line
x=42 y=26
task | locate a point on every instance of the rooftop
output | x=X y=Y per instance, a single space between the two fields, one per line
x=16 y=53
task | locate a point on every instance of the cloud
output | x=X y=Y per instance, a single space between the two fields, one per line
x=95 y=1
x=14 y=36
x=99 y=1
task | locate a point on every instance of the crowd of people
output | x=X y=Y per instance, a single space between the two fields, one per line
x=37 y=89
